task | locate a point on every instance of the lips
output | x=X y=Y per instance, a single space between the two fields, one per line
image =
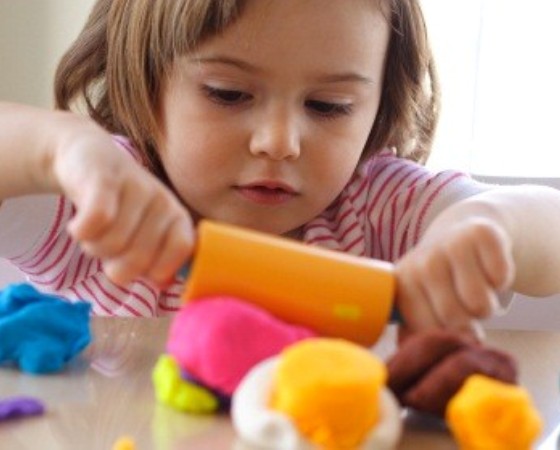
x=267 y=192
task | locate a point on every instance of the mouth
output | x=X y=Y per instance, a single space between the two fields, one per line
x=267 y=192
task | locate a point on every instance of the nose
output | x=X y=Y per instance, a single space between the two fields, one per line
x=276 y=135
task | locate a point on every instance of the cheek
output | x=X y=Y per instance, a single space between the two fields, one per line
x=191 y=142
x=340 y=159
x=192 y=150
x=333 y=173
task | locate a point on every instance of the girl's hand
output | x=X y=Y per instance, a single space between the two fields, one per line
x=453 y=276
x=125 y=216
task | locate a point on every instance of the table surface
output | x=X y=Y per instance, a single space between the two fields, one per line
x=107 y=393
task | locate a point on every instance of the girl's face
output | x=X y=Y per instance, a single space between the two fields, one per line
x=264 y=124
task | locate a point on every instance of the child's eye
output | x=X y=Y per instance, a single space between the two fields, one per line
x=327 y=109
x=227 y=97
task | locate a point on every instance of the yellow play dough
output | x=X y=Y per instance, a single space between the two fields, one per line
x=172 y=390
x=124 y=443
x=330 y=388
x=487 y=414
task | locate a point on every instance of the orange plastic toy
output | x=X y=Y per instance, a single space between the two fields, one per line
x=333 y=293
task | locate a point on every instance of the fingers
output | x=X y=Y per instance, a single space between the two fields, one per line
x=451 y=282
x=412 y=298
x=106 y=226
x=177 y=247
x=495 y=255
x=136 y=226
x=97 y=207
x=158 y=246
x=428 y=295
x=475 y=292
x=124 y=215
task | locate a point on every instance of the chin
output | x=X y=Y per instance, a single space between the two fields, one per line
x=270 y=225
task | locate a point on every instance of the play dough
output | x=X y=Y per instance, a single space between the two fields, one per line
x=324 y=393
x=217 y=340
x=489 y=414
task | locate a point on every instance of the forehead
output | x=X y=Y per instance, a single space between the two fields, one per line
x=298 y=33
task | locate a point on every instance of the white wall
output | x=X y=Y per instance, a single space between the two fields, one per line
x=499 y=65
x=33 y=36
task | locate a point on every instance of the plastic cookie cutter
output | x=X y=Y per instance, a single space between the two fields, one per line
x=333 y=293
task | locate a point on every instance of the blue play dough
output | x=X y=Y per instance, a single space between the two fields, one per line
x=40 y=332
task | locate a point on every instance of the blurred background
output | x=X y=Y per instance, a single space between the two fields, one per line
x=499 y=65
x=33 y=36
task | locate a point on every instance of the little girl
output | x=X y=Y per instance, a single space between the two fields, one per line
x=303 y=118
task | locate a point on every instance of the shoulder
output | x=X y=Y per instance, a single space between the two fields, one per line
x=385 y=176
x=388 y=176
x=387 y=197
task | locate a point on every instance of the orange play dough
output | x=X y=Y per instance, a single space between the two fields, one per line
x=487 y=414
x=330 y=388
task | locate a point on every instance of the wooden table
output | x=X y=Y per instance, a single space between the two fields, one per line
x=107 y=393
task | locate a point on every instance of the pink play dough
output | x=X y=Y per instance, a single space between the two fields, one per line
x=219 y=339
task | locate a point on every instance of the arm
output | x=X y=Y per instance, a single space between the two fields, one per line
x=125 y=216
x=497 y=240
x=28 y=139
x=530 y=216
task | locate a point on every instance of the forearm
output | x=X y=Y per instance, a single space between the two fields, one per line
x=28 y=139
x=530 y=215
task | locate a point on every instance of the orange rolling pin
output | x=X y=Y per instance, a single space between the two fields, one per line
x=333 y=293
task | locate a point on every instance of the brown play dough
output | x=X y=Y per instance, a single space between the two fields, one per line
x=430 y=367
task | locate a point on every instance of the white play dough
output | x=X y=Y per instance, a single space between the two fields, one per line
x=264 y=428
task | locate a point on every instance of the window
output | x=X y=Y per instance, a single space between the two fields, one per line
x=499 y=62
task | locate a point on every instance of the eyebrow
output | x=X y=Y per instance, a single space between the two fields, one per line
x=345 y=77
x=226 y=60
x=245 y=66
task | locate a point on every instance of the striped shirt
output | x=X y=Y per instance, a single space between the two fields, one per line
x=382 y=213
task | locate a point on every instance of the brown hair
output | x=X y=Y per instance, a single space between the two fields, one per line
x=410 y=100
x=117 y=63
